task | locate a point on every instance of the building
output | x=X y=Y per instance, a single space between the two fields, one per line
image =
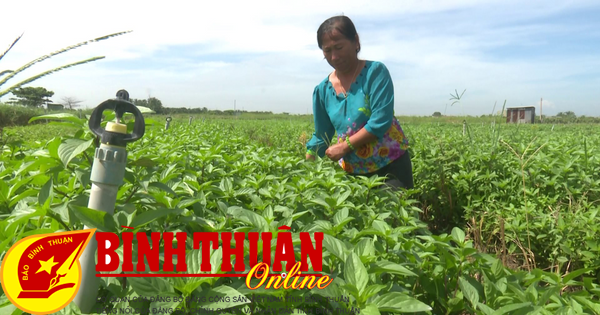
x=520 y=115
x=55 y=106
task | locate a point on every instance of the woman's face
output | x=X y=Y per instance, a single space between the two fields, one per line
x=339 y=51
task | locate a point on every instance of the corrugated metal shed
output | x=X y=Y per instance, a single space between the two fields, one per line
x=520 y=115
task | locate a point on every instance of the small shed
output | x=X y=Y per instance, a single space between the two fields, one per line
x=520 y=115
x=55 y=106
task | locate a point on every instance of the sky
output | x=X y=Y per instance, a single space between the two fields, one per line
x=263 y=55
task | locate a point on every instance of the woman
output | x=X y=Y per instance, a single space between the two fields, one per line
x=357 y=101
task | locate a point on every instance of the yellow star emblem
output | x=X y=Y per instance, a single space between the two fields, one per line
x=47 y=265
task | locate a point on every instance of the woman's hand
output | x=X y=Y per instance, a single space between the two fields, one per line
x=338 y=151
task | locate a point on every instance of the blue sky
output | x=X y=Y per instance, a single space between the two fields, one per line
x=264 y=55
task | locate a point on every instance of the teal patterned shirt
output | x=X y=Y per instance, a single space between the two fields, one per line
x=370 y=104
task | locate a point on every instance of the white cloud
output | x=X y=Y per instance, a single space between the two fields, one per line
x=180 y=51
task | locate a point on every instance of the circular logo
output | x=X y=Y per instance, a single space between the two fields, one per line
x=40 y=274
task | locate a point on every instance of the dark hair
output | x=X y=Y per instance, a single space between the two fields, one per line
x=342 y=24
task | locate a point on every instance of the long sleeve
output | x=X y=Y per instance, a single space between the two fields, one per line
x=381 y=101
x=324 y=129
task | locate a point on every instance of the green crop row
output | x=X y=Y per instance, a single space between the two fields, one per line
x=501 y=221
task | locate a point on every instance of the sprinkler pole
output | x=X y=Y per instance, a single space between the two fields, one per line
x=108 y=171
x=168 y=123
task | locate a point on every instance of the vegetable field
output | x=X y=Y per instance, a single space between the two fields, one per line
x=503 y=218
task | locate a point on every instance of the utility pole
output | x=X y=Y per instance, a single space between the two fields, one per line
x=541 y=119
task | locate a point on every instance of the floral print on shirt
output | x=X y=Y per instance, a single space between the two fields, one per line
x=373 y=156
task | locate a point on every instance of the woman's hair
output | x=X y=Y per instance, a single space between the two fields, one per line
x=342 y=24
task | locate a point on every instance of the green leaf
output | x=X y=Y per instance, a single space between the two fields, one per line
x=588 y=303
x=189 y=284
x=226 y=185
x=511 y=307
x=9 y=308
x=46 y=193
x=4 y=192
x=365 y=248
x=53 y=147
x=187 y=202
x=501 y=284
x=458 y=235
x=33 y=232
x=163 y=187
x=548 y=295
x=381 y=226
x=497 y=269
x=469 y=291
x=390 y=267
x=340 y=216
x=532 y=293
x=100 y=220
x=400 y=302
x=61 y=116
x=575 y=274
x=247 y=216
x=4 y=244
x=347 y=220
x=334 y=246
x=485 y=309
x=145 y=110
x=144 y=162
x=21 y=215
x=71 y=148
x=150 y=286
x=355 y=273
x=14 y=188
x=372 y=290
x=151 y=215
x=321 y=202
x=370 y=309
x=23 y=195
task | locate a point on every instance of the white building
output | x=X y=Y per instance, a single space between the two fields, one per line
x=520 y=115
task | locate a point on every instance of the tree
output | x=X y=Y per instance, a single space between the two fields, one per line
x=31 y=96
x=153 y=103
x=568 y=114
x=70 y=102
x=437 y=114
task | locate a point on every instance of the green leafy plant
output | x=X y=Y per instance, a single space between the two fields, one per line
x=457 y=99
x=214 y=176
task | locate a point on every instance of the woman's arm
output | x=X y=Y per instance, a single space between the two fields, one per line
x=380 y=100
x=357 y=140
x=323 y=128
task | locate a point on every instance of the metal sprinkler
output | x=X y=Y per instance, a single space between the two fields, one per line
x=108 y=171
x=168 y=123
